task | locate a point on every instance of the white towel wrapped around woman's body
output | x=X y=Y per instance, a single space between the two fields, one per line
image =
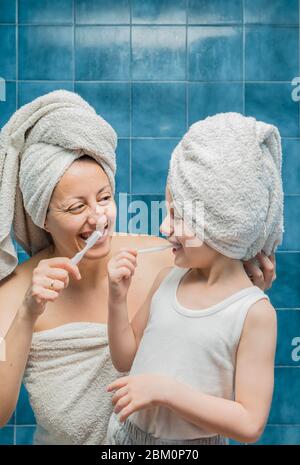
x=67 y=372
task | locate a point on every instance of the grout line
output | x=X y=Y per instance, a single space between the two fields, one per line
x=152 y=81
x=298 y=63
x=243 y=57
x=130 y=101
x=287 y=366
x=17 y=53
x=186 y=68
x=160 y=25
x=73 y=44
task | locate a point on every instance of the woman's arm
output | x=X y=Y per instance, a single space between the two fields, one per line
x=18 y=315
x=17 y=346
x=244 y=418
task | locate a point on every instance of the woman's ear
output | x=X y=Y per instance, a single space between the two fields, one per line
x=45 y=225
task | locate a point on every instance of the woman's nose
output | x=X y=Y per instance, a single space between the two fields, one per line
x=97 y=216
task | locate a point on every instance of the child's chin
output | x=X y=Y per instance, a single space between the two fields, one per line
x=180 y=261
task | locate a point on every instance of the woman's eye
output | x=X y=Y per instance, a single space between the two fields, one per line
x=75 y=208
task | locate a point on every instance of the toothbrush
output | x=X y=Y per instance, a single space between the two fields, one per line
x=155 y=249
x=89 y=243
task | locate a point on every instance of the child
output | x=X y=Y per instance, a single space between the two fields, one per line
x=201 y=349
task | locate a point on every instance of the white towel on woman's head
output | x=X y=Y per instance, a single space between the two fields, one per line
x=231 y=164
x=37 y=145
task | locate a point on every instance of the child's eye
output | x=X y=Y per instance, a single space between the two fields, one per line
x=105 y=199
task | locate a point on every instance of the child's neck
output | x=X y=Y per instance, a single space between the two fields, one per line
x=223 y=269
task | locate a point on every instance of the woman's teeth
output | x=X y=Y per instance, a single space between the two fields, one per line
x=85 y=236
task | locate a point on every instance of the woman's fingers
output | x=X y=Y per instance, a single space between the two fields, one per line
x=58 y=274
x=44 y=294
x=57 y=285
x=119 y=393
x=65 y=263
x=123 y=402
x=267 y=268
x=273 y=261
x=255 y=274
x=261 y=270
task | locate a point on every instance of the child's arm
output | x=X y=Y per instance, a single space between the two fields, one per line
x=124 y=337
x=243 y=419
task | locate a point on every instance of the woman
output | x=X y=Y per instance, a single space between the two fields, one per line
x=53 y=314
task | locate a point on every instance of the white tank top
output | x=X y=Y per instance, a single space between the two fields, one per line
x=197 y=347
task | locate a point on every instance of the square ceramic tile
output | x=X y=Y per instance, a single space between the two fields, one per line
x=8 y=52
x=158 y=110
x=271 y=53
x=7 y=11
x=102 y=11
x=158 y=11
x=272 y=103
x=111 y=101
x=158 y=53
x=215 y=53
x=274 y=12
x=150 y=163
x=102 y=53
x=45 y=53
x=215 y=11
x=45 y=12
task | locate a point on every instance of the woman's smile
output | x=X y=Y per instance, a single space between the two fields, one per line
x=84 y=236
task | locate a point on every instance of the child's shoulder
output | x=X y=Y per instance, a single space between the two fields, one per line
x=260 y=316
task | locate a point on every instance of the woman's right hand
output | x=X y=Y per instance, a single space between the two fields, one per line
x=53 y=270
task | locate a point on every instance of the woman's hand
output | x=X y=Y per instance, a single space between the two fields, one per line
x=49 y=279
x=264 y=274
x=137 y=392
x=121 y=268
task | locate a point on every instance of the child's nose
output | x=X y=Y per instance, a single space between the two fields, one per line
x=166 y=227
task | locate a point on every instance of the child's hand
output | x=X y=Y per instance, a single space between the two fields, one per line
x=138 y=392
x=121 y=268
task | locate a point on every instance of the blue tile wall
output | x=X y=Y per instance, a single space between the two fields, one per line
x=7 y=11
x=152 y=68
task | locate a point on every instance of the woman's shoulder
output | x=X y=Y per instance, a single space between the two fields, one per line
x=13 y=289
x=153 y=261
x=138 y=240
x=24 y=269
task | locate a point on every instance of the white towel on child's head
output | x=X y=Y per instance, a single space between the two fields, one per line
x=232 y=165
x=37 y=145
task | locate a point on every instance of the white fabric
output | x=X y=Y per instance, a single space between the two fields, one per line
x=197 y=347
x=230 y=164
x=37 y=145
x=67 y=372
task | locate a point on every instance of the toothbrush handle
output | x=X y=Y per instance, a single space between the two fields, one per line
x=76 y=259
